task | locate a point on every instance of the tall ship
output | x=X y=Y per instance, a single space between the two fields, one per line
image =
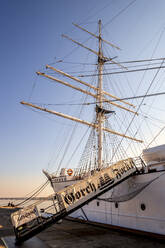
x=111 y=130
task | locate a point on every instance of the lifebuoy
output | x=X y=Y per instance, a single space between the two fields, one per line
x=70 y=172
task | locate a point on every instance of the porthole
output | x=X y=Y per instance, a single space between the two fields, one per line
x=143 y=206
x=116 y=204
x=98 y=204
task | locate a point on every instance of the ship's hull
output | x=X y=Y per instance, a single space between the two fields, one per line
x=137 y=203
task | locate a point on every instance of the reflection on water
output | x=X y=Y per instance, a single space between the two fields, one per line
x=15 y=201
x=21 y=203
x=42 y=204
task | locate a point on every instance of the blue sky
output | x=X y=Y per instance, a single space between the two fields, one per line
x=30 y=34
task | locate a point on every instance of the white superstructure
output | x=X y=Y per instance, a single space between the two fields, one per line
x=154 y=154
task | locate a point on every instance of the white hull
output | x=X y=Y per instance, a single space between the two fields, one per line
x=141 y=191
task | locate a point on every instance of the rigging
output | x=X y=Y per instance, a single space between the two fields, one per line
x=90 y=103
x=126 y=71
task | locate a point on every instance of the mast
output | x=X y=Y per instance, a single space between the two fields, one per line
x=100 y=116
x=99 y=95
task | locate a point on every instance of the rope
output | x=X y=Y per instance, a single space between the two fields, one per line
x=120 y=12
x=156 y=136
x=126 y=71
x=33 y=195
x=142 y=101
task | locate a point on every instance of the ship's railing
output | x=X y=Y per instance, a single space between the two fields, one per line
x=78 y=173
x=139 y=163
x=81 y=173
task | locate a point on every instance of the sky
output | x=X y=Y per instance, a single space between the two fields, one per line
x=30 y=38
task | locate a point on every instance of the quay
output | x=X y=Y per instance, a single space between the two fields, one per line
x=77 y=234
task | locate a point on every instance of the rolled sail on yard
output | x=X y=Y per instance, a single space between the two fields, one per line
x=156 y=153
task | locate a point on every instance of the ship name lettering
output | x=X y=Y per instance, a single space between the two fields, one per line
x=124 y=169
x=72 y=197
x=26 y=215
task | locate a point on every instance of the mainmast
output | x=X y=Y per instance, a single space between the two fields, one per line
x=100 y=115
x=97 y=93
